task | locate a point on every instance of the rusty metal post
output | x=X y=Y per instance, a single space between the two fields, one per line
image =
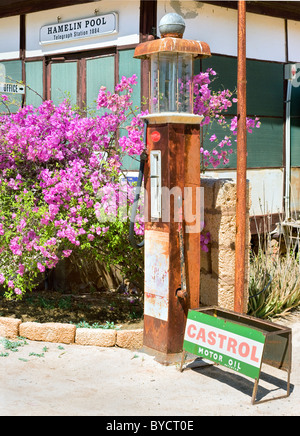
x=240 y=244
x=172 y=256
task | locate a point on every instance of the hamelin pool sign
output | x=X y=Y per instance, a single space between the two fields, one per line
x=235 y=346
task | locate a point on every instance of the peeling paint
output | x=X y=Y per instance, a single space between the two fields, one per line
x=157 y=274
x=188 y=10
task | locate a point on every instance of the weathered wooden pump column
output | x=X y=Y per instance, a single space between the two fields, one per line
x=172 y=181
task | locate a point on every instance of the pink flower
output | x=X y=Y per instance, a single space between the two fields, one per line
x=40 y=267
x=204 y=241
x=67 y=253
x=211 y=106
x=21 y=269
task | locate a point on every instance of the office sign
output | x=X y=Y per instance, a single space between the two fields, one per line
x=98 y=25
x=12 y=88
x=232 y=345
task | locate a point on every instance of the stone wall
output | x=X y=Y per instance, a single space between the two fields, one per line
x=62 y=333
x=218 y=265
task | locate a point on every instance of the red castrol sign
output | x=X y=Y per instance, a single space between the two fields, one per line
x=235 y=346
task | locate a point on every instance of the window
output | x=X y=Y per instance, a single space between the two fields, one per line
x=265 y=96
x=11 y=72
x=127 y=67
x=64 y=82
x=34 y=82
x=99 y=72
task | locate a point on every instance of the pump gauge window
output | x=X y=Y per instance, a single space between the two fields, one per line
x=155 y=176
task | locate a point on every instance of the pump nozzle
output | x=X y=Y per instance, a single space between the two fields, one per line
x=182 y=291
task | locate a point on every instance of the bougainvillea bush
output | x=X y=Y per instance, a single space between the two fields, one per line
x=213 y=106
x=61 y=185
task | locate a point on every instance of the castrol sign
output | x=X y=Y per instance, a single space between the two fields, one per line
x=235 y=346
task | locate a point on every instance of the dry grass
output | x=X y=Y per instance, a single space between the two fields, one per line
x=274 y=286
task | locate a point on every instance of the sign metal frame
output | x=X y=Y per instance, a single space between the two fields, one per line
x=82 y=28
x=239 y=342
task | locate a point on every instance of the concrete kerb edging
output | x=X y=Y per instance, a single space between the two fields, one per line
x=12 y=328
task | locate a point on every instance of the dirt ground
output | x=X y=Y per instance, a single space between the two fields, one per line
x=94 y=307
x=46 y=379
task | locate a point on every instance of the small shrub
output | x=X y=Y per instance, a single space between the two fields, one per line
x=108 y=325
x=274 y=285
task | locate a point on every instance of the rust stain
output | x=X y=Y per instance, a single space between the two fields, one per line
x=169 y=44
x=156 y=306
x=157 y=274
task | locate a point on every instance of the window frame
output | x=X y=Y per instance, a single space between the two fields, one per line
x=80 y=58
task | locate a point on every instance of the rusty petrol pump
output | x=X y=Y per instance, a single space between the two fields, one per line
x=172 y=184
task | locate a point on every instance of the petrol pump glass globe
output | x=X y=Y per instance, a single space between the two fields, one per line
x=171 y=82
x=171 y=72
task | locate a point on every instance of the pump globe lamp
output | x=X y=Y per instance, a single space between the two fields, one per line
x=171 y=72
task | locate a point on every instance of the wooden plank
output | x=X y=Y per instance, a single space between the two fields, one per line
x=289 y=10
x=148 y=18
x=9 y=8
